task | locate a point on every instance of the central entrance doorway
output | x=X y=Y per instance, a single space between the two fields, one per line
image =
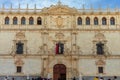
x=59 y=72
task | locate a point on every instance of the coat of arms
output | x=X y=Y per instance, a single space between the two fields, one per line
x=59 y=21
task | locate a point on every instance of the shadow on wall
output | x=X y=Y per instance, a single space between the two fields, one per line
x=36 y=78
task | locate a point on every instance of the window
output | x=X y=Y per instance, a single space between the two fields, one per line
x=23 y=21
x=100 y=48
x=19 y=69
x=31 y=21
x=15 y=20
x=95 y=21
x=87 y=21
x=7 y=20
x=104 y=22
x=59 y=48
x=39 y=21
x=19 y=48
x=100 y=69
x=79 y=21
x=112 y=21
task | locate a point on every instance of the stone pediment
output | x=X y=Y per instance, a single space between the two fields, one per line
x=59 y=9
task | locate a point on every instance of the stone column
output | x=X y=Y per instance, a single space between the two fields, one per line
x=44 y=70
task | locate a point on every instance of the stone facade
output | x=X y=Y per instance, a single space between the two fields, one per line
x=59 y=24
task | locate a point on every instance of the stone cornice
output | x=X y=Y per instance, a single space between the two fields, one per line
x=50 y=30
x=38 y=56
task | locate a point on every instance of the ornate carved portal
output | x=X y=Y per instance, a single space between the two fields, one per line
x=59 y=72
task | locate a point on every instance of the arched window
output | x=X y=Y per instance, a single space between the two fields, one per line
x=87 y=21
x=39 y=21
x=31 y=21
x=104 y=21
x=79 y=21
x=23 y=21
x=95 y=21
x=7 y=20
x=112 y=21
x=15 y=20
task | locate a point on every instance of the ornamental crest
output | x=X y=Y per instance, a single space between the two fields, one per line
x=59 y=21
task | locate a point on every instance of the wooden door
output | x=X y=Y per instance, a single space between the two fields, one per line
x=59 y=72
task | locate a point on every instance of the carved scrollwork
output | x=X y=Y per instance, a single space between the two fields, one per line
x=19 y=61
x=100 y=62
x=20 y=35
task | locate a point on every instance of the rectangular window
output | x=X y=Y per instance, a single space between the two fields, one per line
x=100 y=69
x=100 y=48
x=19 y=69
x=19 y=48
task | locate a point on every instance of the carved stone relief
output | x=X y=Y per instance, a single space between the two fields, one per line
x=20 y=37
x=19 y=61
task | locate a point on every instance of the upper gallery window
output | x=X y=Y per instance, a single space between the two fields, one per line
x=87 y=21
x=23 y=21
x=112 y=21
x=15 y=21
x=79 y=21
x=39 y=21
x=7 y=20
x=104 y=21
x=31 y=21
x=95 y=21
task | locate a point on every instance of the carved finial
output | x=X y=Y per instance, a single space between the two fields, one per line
x=3 y=6
x=83 y=6
x=11 y=6
x=91 y=7
x=34 y=6
x=59 y=2
x=108 y=9
x=99 y=7
x=116 y=9
x=19 y=5
x=27 y=6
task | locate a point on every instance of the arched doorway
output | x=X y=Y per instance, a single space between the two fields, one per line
x=59 y=72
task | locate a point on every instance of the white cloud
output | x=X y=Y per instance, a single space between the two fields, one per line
x=47 y=3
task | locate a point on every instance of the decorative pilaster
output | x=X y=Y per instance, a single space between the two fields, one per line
x=44 y=46
x=75 y=48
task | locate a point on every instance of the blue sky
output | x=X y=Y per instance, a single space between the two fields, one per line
x=72 y=3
